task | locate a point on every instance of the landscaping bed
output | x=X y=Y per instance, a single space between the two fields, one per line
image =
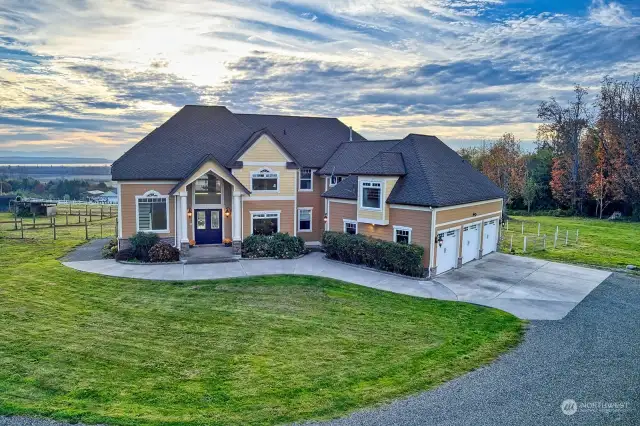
x=260 y=350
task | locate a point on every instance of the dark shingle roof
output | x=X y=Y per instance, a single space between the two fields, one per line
x=437 y=176
x=311 y=140
x=346 y=189
x=383 y=164
x=176 y=147
x=351 y=155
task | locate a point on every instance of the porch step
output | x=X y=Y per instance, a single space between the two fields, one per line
x=204 y=260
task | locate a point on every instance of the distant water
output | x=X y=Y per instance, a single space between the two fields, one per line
x=55 y=165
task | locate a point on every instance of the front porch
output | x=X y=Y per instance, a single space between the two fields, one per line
x=208 y=213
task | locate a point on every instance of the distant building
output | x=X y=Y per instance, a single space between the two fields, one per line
x=109 y=197
x=93 y=195
x=4 y=202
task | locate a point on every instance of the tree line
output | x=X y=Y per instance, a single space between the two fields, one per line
x=586 y=160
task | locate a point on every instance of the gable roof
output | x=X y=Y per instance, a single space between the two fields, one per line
x=383 y=164
x=351 y=155
x=209 y=157
x=256 y=135
x=172 y=150
x=436 y=176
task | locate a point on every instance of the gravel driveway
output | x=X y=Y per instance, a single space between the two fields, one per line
x=590 y=356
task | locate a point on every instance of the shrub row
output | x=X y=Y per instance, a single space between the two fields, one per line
x=405 y=259
x=280 y=246
x=147 y=247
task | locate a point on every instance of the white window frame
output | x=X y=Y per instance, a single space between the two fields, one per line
x=370 y=184
x=152 y=194
x=267 y=214
x=310 y=219
x=336 y=178
x=265 y=170
x=300 y=181
x=401 y=228
x=349 y=221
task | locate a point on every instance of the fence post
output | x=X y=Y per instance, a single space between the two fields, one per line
x=21 y=229
x=566 y=240
x=66 y=216
x=15 y=223
x=544 y=242
x=555 y=239
x=34 y=221
x=101 y=212
x=90 y=216
x=116 y=233
x=522 y=228
x=524 y=246
x=86 y=209
x=50 y=221
x=86 y=229
x=100 y=229
x=54 y=229
x=78 y=217
x=538 y=229
x=577 y=230
x=511 y=244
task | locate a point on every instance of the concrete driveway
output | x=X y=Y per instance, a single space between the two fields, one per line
x=528 y=288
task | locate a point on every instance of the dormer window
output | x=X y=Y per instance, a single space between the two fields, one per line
x=335 y=180
x=265 y=181
x=371 y=195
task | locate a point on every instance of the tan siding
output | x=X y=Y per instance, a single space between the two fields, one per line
x=288 y=179
x=128 y=193
x=314 y=200
x=378 y=215
x=381 y=232
x=286 y=214
x=444 y=216
x=263 y=150
x=339 y=211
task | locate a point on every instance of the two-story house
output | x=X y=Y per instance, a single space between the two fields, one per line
x=209 y=174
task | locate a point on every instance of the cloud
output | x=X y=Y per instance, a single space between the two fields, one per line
x=610 y=14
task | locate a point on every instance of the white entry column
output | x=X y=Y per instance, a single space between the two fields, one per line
x=182 y=222
x=236 y=222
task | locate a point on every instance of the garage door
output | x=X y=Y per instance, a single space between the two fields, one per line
x=490 y=236
x=448 y=251
x=470 y=242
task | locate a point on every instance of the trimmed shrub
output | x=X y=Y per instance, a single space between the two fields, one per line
x=405 y=259
x=125 y=255
x=164 y=252
x=141 y=243
x=110 y=249
x=280 y=246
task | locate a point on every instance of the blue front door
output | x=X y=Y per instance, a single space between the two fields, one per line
x=208 y=226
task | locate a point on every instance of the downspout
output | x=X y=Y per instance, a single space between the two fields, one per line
x=433 y=238
x=175 y=221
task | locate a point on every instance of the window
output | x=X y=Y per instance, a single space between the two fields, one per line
x=402 y=234
x=208 y=190
x=153 y=212
x=371 y=195
x=201 y=219
x=306 y=180
x=351 y=227
x=304 y=219
x=215 y=219
x=335 y=180
x=265 y=181
x=265 y=223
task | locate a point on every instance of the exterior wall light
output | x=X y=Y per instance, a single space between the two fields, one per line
x=189 y=213
x=325 y=218
x=439 y=240
x=227 y=212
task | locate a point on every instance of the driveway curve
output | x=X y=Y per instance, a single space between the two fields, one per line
x=590 y=356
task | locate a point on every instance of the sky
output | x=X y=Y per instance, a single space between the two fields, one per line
x=91 y=78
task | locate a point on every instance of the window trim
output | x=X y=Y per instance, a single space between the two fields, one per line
x=401 y=228
x=265 y=212
x=344 y=225
x=300 y=180
x=263 y=191
x=369 y=184
x=151 y=194
x=310 y=219
x=337 y=181
x=208 y=206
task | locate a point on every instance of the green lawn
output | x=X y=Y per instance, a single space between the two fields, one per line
x=264 y=350
x=600 y=242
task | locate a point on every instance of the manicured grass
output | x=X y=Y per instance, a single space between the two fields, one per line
x=261 y=350
x=600 y=242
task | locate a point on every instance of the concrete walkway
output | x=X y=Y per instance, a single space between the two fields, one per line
x=527 y=288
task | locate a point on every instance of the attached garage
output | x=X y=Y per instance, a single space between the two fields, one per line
x=470 y=242
x=489 y=236
x=447 y=255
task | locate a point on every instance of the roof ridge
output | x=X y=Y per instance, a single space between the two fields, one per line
x=316 y=117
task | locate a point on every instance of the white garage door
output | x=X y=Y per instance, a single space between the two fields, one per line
x=470 y=242
x=448 y=251
x=490 y=236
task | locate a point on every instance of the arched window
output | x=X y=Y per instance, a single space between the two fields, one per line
x=265 y=180
x=152 y=212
